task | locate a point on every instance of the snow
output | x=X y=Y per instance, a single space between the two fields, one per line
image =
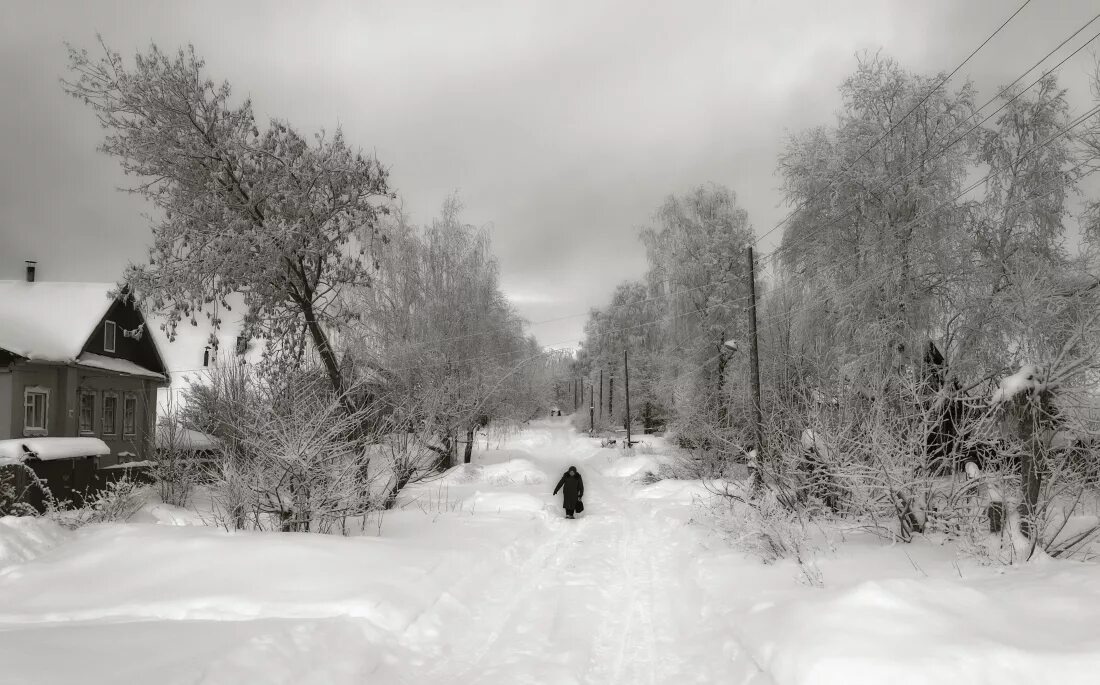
x=185 y=439
x=183 y=356
x=50 y=321
x=48 y=449
x=22 y=538
x=1026 y=628
x=476 y=578
x=503 y=473
x=125 y=366
x=627 y=467
x=501 y=502
x=1027 y=378
x=132 y=465
x=684 y=491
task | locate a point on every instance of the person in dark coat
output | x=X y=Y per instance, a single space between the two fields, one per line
x=572 y=487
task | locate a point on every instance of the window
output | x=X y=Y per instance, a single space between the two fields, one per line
x=36 y=405
x=129 y=414
x=87 y=412
x=109 y=332
x=110 y=413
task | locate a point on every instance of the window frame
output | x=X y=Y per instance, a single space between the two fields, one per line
x=80 y=412
x=108 y=394
x=44 y=429
x=130 y=431
x=113 y=328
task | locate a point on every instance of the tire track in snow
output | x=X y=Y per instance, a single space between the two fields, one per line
x=607 y=599
x=496 y=601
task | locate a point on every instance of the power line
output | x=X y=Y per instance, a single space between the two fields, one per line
x=1076 y=122
x=886 y=184
x=836 y=220
x=900 y=121
x=764 y=259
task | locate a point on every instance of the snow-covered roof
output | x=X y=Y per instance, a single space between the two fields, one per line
x=98 y=361
x=47 y=449
x=185 y=439
x=50 y=321
x=184 y=354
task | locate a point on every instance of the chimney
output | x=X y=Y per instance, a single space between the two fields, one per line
x=30 y=270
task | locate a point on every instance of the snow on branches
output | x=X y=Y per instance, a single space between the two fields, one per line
x=263 y=211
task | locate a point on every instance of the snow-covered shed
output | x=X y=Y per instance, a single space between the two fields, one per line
x=60 y=468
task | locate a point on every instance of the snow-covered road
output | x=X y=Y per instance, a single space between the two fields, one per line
x=479 y=579
x=601 y=599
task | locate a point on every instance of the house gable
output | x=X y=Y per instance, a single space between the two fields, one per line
x=139 y=349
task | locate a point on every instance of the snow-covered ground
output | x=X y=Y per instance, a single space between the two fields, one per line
x=478 y=579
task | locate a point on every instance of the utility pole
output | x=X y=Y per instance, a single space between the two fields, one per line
x=591 y=411
x=611 y=398
x=601 y=395
x=755 y=361
x=626 y=372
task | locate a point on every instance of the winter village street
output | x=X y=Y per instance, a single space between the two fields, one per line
x=550 y=343
x=478 y=578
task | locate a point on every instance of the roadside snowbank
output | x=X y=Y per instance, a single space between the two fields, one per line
x=496 y=502
x=198 y=573
x=514 y=471
x=628 y=467
x=1035 y=625
x=681 y=491
x=23 y=538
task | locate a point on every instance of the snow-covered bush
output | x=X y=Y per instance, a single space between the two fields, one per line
x=10 y=499
x=293 y=457
x=765 y=528
x=118 y=501
x=176 y=468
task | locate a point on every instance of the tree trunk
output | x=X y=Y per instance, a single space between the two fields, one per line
x=324 y=349
x=1031 y=480
x=469 y=446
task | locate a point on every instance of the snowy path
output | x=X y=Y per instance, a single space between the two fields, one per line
x=501 y=591
x=602 y=599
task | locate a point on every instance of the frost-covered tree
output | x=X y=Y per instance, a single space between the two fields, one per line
x=874 y=227
x=440 y=336
x=259 y=210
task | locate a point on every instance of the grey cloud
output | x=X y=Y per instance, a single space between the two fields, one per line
x=561 y=124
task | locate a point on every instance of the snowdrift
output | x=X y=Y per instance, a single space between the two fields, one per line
x=515 y=471
x=198 y=573
x=493 y=502
x=1022 y=628
x=628 y=467
x=681 y=491
x=23 y=538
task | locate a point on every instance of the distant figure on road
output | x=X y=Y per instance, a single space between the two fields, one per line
x=573 y=491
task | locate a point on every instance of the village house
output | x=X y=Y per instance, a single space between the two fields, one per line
x=75 y=362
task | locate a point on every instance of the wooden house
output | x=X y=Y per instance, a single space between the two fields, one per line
x=76 y=362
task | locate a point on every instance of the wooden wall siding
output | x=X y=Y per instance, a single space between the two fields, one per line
x=144 y=391
x=63 y=419
x=5 y=404
x=49 y=377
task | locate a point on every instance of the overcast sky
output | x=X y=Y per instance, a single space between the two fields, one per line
x=562 y=125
